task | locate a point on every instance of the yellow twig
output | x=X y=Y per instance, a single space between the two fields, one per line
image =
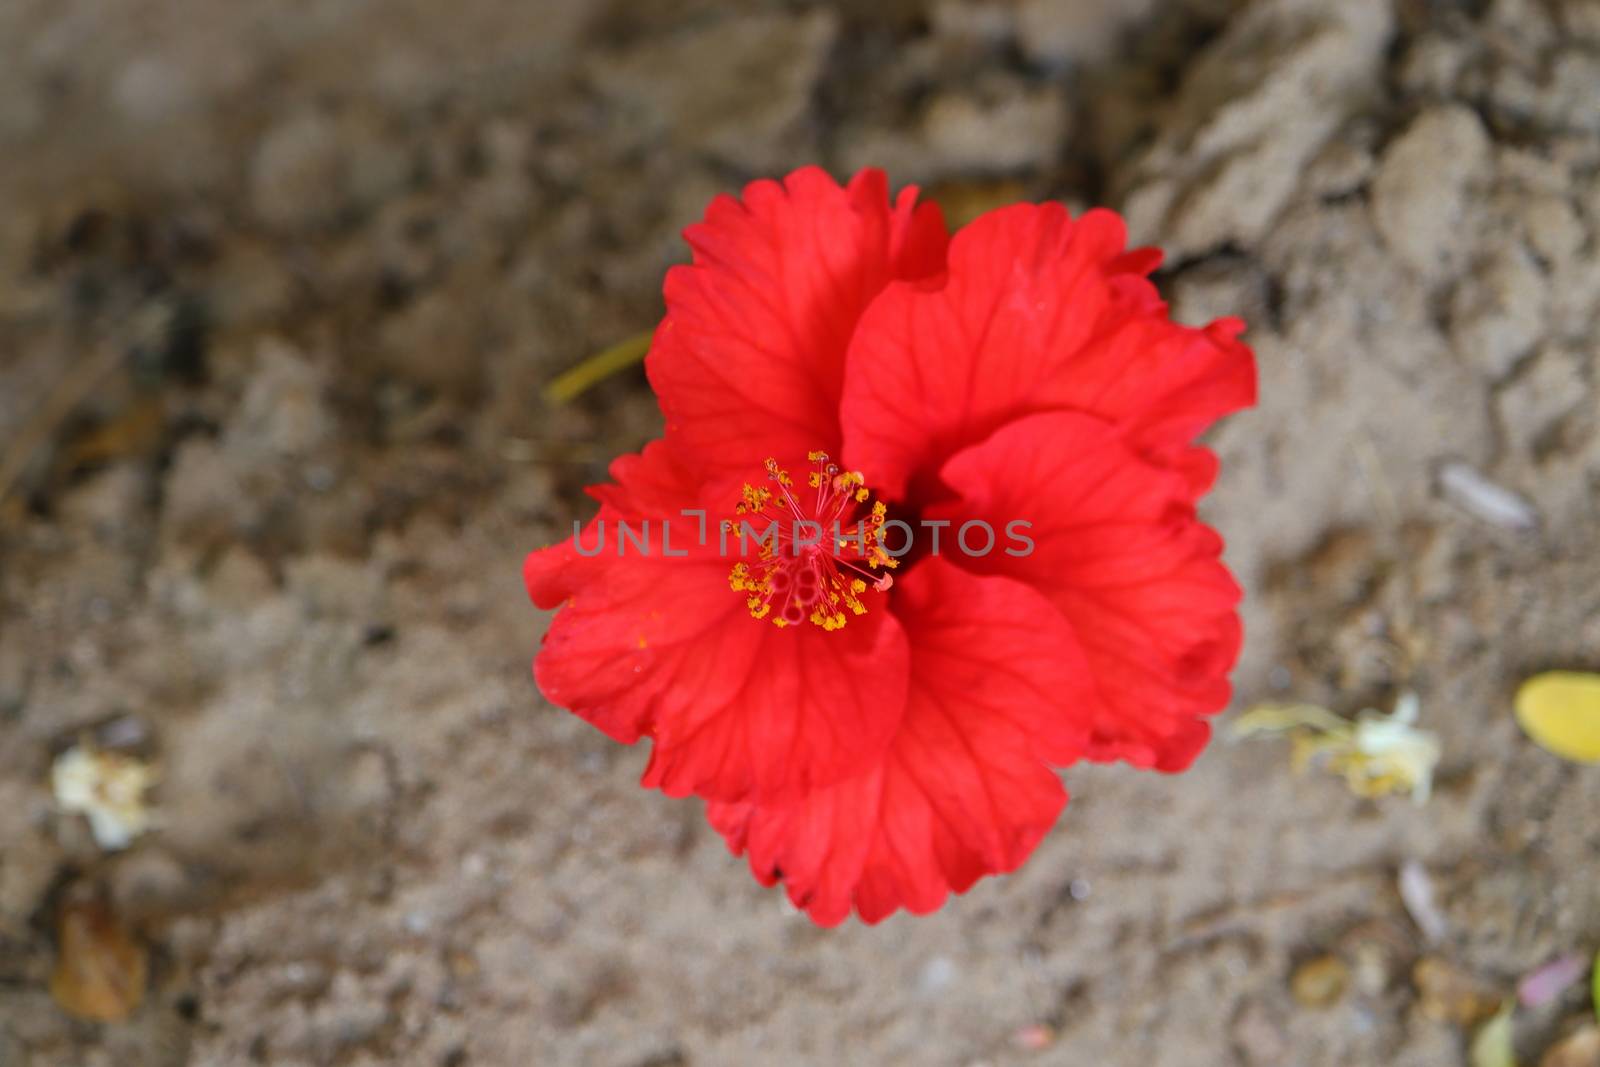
x=597 y=368
x=64 y=397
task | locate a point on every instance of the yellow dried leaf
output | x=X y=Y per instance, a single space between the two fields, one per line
x=101 y=970
x=1560 y=710
x=1491 y=1046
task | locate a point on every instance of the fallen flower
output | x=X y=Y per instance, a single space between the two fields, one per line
x=1546 y=983
x=1377 y=754
x=1560 y=710
x=875 y=729
x=106 y=787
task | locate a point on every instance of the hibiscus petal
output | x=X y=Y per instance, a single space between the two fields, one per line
x=644 y=486
x=1119 y=551
x=651 y=645
x=752 y=710
x=1037 y=312
x=999 y=691
x=749 y=361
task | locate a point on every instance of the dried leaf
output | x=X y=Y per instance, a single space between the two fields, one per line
x=1492 y=1045
x=101 y=970
x=138 y=431
x=1560 y=710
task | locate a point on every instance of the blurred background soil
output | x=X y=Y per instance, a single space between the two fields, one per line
x=279 y=286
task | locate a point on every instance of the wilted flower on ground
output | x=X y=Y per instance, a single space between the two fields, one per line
x=978 y=454
x=108 y=788
x=1376 y=754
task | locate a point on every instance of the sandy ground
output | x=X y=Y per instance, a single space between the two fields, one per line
x=278 y=288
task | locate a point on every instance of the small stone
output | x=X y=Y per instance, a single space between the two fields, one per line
x=298 y=978
x=1019 y=130
x=1252 y=111
x=1450 y=995
x=1062 y=33
x=1320 y=983
x=151 y=883
x=1259 y=1038
x=981 y=23
x=432 y=345
x=1036 y=1037
x=344 y=1024
x=1581 y=1049
x=1553 y=227
x=1546 y=392
x=1498 y=313
x=1419 y=196
x=1581 y=20
x=1376 y=951
x=31 y=861
x=296 y=168
x=936 y=975
x=737 y=87
x=1340 y=169
x=283 y=414
x=152 y=89
x=1433 y=64
x=238 y=581
x=108 y=501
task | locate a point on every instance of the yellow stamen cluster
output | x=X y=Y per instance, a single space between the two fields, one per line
x=754 y=500
x=876 y=556
x=804 y=580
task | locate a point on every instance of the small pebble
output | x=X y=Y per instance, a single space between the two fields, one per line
x=1450 y=995
x=1582 y=1049
x=937 y=974
x=1034 y=1038
x=1320 y=983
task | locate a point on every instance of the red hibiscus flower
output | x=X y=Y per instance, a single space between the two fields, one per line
x=1006 y=576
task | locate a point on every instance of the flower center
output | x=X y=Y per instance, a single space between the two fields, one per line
x=815 y=556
